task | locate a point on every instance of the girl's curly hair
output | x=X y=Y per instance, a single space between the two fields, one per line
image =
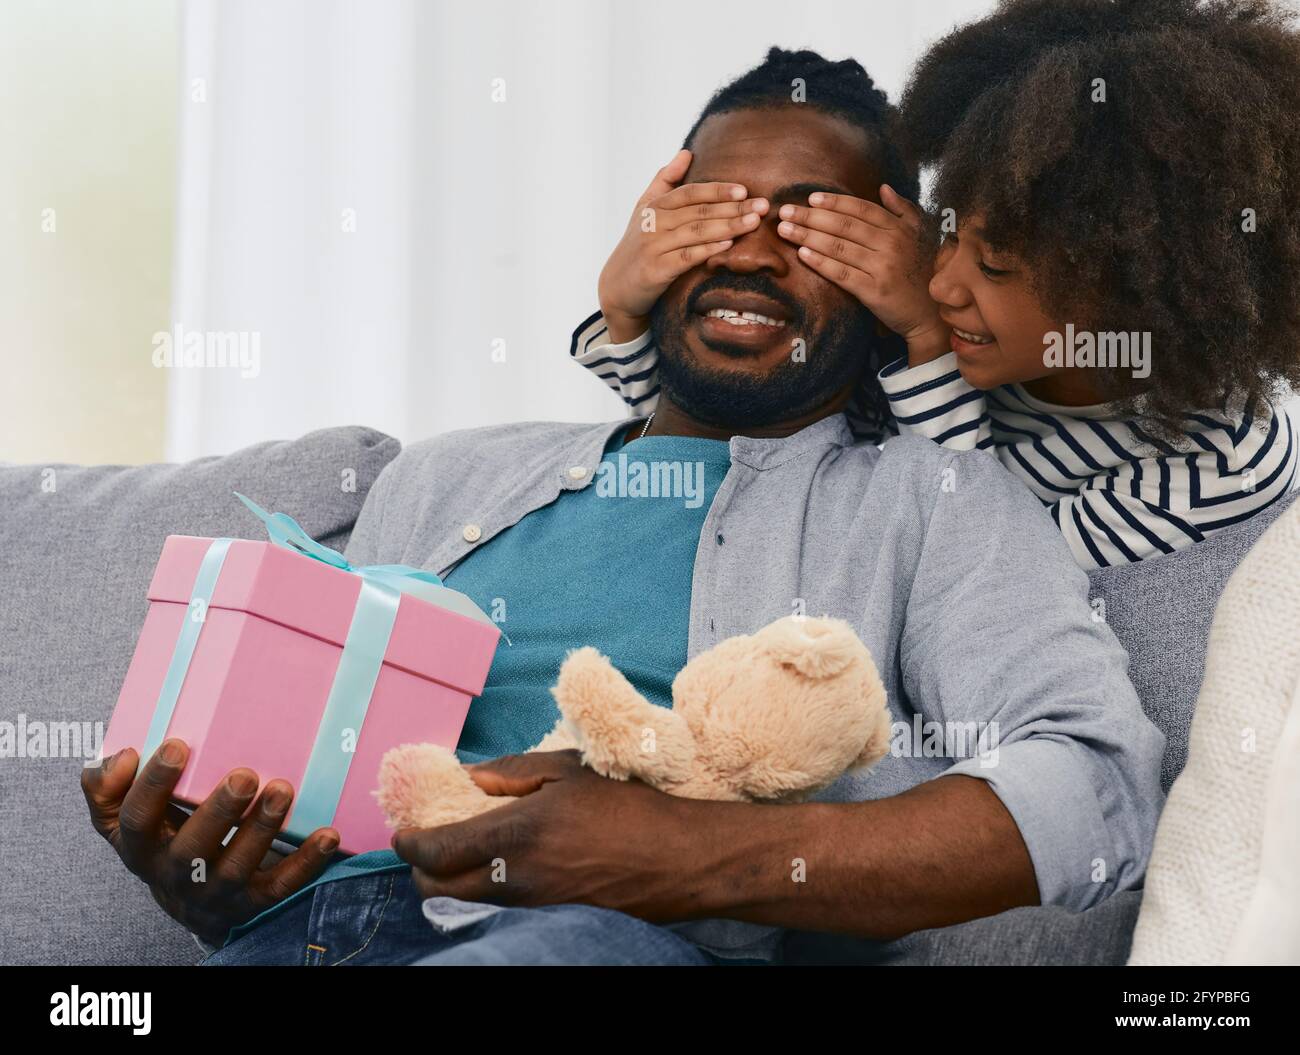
x=1131 y=213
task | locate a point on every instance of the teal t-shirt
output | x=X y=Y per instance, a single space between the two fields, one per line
x=609 y=565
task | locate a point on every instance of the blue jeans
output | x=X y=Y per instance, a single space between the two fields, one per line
x=382 y=919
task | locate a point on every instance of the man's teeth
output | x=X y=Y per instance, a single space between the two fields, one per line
x=973 y=338
x=742 y=318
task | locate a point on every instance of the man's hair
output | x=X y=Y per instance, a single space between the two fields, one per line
x=1128 y=207
x=842 y=88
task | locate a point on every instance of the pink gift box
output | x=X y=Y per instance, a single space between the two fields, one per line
x=264 y=663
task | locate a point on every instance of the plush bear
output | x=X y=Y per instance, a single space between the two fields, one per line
x=773 y=716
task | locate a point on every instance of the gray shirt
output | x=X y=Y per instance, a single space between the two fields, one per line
x=960 y=585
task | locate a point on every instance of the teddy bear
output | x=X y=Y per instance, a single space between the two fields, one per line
x=773 y=716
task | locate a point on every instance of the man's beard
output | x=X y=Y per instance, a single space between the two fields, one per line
x=834 y=358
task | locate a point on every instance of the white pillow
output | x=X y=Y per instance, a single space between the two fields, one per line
x=1223 y=884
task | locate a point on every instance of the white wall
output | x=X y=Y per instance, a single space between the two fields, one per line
x=475 y=220
x=88 y=123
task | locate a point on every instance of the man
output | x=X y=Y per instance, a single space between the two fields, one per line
x=962 y=589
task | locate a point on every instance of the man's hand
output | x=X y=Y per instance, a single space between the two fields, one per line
x=206 y=886
x=672 y=229
x=943 y=852
x=875 y=253
x=571 y=837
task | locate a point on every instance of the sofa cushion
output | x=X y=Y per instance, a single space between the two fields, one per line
x=78 y=550
x=1161 y=611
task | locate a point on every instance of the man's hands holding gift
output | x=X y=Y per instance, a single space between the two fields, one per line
x=572 y=836
x=206 y=886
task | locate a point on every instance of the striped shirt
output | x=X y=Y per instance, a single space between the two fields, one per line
x=1117 y=493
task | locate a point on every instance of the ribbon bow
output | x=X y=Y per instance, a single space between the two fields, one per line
x=286 y=532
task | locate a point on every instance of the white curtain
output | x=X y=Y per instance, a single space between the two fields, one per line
x=406 y=205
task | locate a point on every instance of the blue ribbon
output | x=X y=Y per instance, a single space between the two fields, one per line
x=382 y=586
x=192 y=623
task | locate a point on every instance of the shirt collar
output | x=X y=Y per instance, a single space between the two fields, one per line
x=578 y=465
x=769 y=452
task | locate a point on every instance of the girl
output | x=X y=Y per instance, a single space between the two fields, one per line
x=1116 y=295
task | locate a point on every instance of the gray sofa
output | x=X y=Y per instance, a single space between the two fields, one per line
x=77 y=548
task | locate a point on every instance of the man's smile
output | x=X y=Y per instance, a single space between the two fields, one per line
x=747 y=321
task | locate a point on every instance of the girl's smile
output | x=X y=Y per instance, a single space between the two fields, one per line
x=968 y=343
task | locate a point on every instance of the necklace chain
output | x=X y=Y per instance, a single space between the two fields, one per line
x=647 y=425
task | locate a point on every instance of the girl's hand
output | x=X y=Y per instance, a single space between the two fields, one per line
x=875 y=253
x=672 y=229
